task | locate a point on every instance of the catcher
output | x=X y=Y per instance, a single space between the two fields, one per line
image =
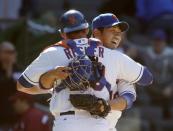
x=83 y=76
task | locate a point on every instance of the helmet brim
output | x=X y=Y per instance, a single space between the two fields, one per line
x=72 y=29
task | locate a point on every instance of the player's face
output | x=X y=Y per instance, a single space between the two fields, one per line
x=111 y=37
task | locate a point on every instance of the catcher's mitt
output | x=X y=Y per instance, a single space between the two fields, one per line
x=96 y=106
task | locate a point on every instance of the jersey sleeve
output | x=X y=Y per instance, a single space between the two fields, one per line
x=128 y=69
x=124 y=87
x=43 y=63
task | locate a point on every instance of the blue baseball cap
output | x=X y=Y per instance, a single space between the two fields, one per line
x=158 y=34
x=73 y=20
x=109 y=20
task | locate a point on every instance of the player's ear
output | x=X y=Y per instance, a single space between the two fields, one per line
x=96 y=33
x=63 y=35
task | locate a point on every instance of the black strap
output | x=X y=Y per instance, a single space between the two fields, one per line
x=67 y=113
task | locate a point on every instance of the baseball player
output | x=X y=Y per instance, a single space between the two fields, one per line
x=108 y=29
x=52 y=66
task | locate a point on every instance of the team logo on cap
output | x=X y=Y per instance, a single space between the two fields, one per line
x=114 y=16
x=72 y=20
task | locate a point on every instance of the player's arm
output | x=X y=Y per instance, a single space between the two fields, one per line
x=32 y=90
x=29 y=80
x=118 y=104
x=127 y=95
x=46 y=80
x=133 y=72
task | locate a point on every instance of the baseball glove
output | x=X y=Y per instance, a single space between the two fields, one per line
x=96 y=106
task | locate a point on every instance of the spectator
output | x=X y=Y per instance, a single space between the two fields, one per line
x=8 y=76
x=158 y=58
x=8 y=60
x=31 y=118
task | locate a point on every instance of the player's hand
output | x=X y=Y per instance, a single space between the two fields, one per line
x=61 y=72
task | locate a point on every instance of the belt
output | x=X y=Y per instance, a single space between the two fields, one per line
x=67 y=113
x=78 y=113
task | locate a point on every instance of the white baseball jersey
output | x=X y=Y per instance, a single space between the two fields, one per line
x=122 y=87
x=117 y=67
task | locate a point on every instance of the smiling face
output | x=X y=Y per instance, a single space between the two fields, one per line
x=110 y=36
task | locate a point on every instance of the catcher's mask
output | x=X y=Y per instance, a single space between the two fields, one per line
x=81 y=71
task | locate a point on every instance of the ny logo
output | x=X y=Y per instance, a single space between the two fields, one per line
x=72 y=20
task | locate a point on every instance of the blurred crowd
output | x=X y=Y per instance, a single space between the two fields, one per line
x=28 y=26
x=17 y=112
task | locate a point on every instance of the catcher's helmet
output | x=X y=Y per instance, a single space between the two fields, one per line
x=73 y=20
